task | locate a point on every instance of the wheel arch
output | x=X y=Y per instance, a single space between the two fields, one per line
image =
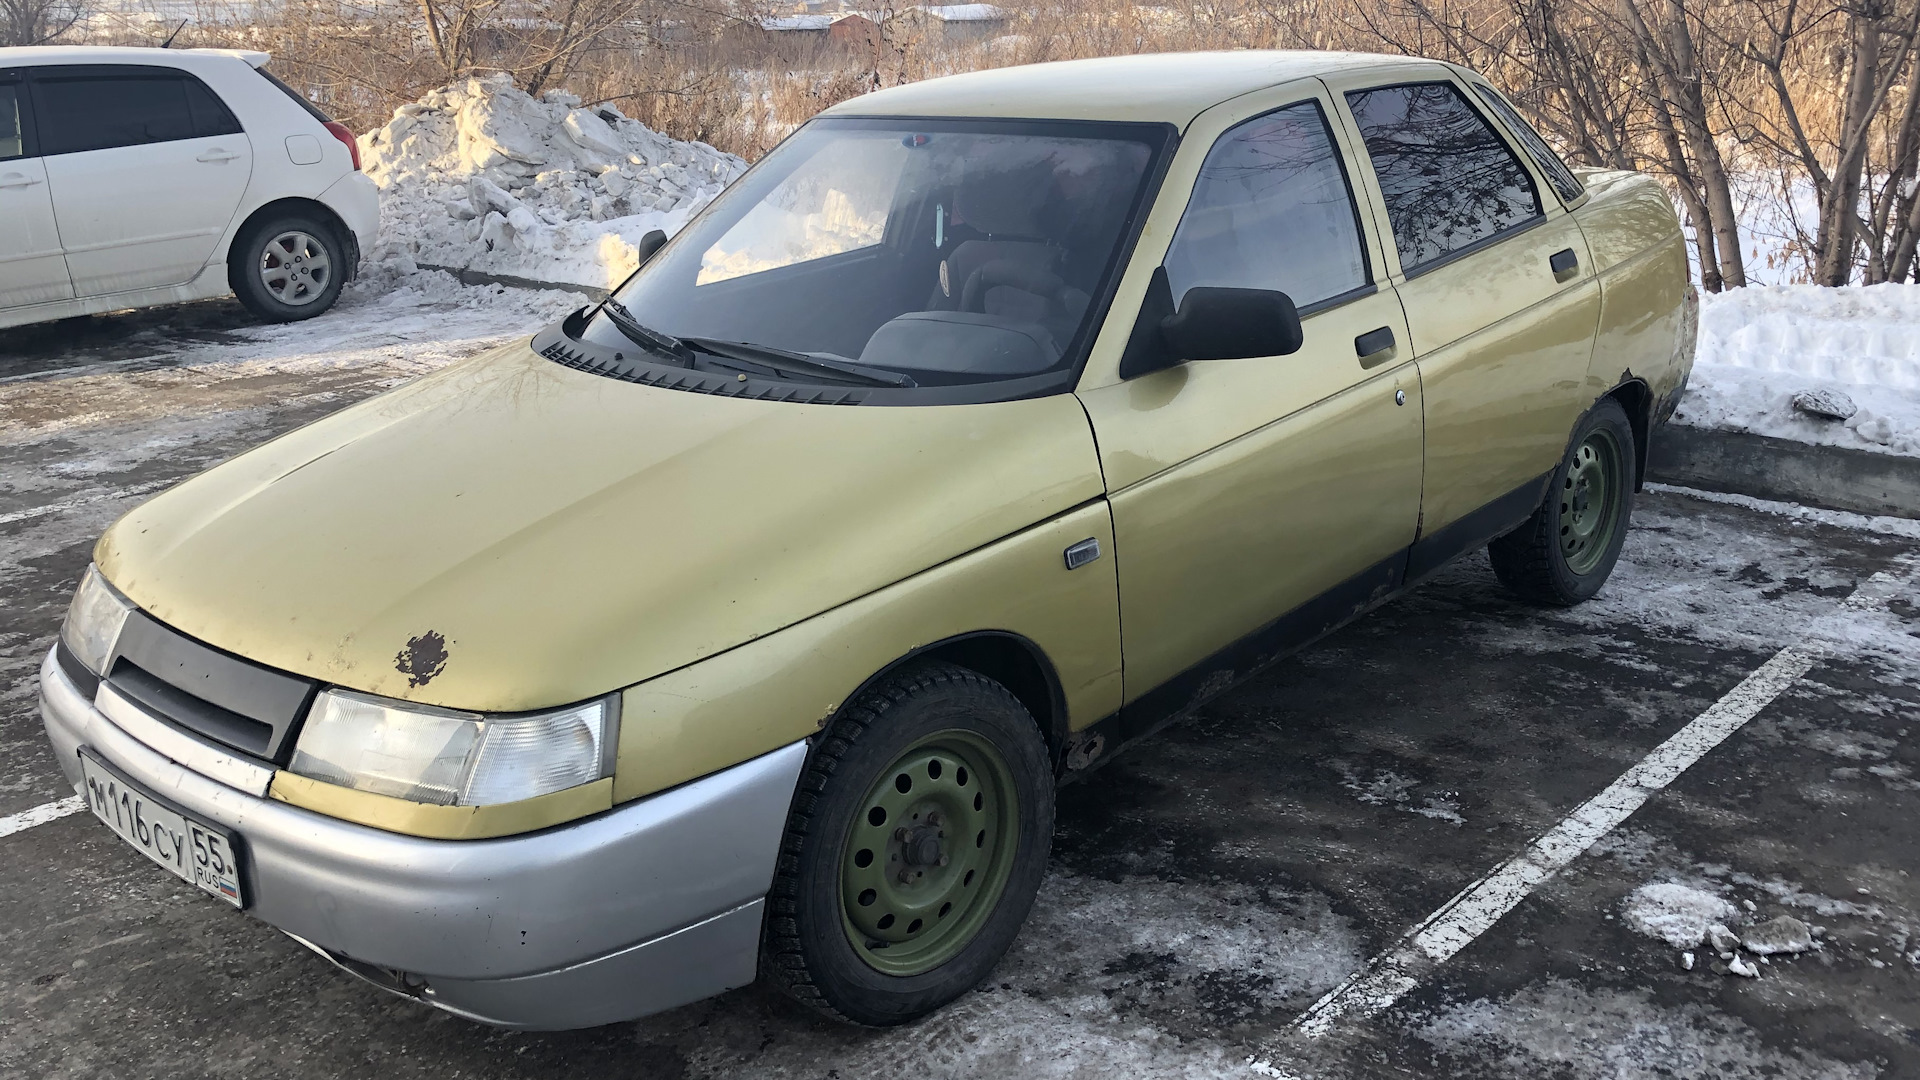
x=1636 y=397
x=298 y=205
x=1010 y=659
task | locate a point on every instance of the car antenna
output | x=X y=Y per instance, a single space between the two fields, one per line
x=168 y=44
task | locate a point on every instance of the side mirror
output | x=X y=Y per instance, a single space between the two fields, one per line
x=1232 y=324
x=650 y=243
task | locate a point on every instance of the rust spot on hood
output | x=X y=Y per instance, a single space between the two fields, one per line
x=423 y=658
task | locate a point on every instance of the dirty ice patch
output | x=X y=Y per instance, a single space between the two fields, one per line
x=1761 y=345
x=1690 y=570
x=1132 y=978
x=1559 y=1029
x=1674 y=913
x=1384 y=787
x=396 y=328
x=1227 y=950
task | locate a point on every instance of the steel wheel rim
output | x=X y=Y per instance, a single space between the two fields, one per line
x=1590 y=499
x=295 y=268
x=952 y=826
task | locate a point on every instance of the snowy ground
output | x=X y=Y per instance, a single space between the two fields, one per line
x=1205 y=887
x=1761 y=345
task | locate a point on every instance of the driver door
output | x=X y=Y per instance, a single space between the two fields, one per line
x=1256 y=503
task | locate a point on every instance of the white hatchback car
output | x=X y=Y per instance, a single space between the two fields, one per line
x=135 y=176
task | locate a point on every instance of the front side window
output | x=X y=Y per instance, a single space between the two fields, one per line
x=1271 y=210
x=948 y=251
x=1544 y=158
x=128 y=107
x=1448 y=179
x=11 y=144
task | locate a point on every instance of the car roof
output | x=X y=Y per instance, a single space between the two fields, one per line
x=43 y=55
x=1158 y=87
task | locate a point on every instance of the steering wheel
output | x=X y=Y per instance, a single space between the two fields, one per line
x=1045 y=284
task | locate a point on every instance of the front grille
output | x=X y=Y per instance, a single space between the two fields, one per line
x=213 y=694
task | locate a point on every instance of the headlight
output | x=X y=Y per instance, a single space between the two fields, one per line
x=94 y=620
x=450 y=758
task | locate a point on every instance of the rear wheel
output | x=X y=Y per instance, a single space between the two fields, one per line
x=1567 y=549
x=287 y=267
x=914 y=848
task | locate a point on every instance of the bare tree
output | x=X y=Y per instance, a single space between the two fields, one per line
x=38 y=22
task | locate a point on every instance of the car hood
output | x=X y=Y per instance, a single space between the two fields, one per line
x=512 y=534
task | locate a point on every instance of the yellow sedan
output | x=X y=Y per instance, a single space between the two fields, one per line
x=743 y=624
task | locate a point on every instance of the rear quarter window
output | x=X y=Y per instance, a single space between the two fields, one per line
x=11 y=143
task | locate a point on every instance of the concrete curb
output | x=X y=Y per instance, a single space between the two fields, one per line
x=1829 y=477
x=476 y=277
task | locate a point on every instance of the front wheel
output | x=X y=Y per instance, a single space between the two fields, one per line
x=914 y=848
x=1567 y=549
x=287 y=267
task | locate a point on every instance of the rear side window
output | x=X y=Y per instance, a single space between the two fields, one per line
x=83 y=112
x=312 y=109
x=1544 y=158
x=1271 y=210
x=1448 y=179
x=11 y=143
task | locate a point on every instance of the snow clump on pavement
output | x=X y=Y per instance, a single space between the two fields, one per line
x=481 y=176
x=1676 y=914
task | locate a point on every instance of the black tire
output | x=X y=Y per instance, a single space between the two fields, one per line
x=303 y=297
x=807 y=946
x=1544 y=560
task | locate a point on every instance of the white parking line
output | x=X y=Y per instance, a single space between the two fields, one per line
x=1475 y=909
x=40 y=815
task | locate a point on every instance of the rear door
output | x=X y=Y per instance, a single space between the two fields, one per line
x=147 y=168
x=32 y=270
x=1257 y=501
x=1500 y=299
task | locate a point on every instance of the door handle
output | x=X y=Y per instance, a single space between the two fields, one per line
x=1374 y=346
x=1564 y=264
x=18 y=180
x=216 y=156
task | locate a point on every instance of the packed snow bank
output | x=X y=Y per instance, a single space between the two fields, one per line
x=480 y=176
x=1761 y=345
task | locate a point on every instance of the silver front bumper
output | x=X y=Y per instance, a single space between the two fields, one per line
x=651 y=905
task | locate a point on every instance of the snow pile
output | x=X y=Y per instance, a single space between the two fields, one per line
x=1762 y=345
x=1679 y=915
x=481 y=176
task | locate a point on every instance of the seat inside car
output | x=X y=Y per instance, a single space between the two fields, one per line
x=1009 y=264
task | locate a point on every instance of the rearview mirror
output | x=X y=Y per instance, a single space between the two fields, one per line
x=1232 y=324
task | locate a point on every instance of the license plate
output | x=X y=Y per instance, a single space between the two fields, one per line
x=197 y=853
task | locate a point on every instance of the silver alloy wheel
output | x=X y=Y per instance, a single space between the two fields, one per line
x=295 y=268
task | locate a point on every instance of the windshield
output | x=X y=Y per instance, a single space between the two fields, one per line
x=950 y=251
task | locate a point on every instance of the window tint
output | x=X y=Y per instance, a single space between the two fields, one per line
x=96 y=112
x=210 y=115
x=1556 y=171
x=10 y=144
x=312 y=109
x=1448 y=179
x=1271 y=210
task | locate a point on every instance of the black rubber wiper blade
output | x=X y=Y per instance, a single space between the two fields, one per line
x=645 y=336
x=800 y=363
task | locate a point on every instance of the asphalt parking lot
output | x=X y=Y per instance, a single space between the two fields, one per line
x=1206 y=888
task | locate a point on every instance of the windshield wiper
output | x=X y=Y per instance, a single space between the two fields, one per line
x=645 y=336
x=800 y=363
